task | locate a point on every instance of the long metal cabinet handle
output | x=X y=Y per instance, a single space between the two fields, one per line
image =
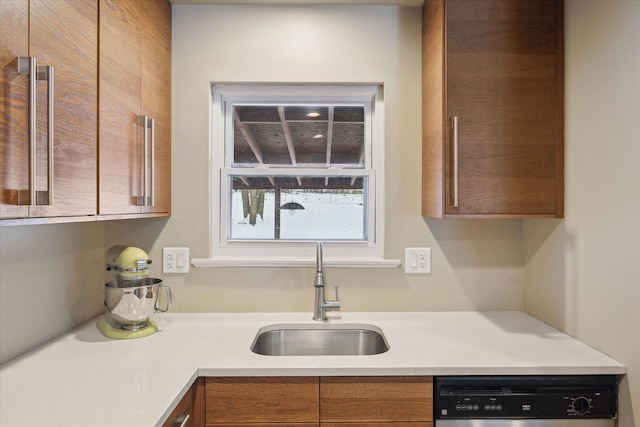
x=46 y=73
x=455 y=161
x=152 y=169
x=27 y=65
x=142 y=122
x=148 y=161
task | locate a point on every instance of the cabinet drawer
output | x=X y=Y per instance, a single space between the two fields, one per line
x=270 y=425
x=262 y=400
x=380 y=424
x=366 y=399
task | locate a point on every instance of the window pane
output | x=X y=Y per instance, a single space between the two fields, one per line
x=298 y=208
x=298 y=135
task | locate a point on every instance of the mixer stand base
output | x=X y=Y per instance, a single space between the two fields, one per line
x=110 y=331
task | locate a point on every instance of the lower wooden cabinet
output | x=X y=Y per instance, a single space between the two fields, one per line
x=383 y=424
x=319 y=401
x=190 y=410
x=236 y=400
x=375 y=399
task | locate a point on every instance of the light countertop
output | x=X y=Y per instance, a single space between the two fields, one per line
x=85 y=379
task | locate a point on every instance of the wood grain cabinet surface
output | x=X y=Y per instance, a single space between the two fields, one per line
x=319 y=401
x=492 y=108
x=264 y=400
x=135 y=81
x=190 y=410
x=375 y=400
x=62 y=34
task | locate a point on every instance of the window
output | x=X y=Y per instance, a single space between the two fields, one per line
x=292 y=165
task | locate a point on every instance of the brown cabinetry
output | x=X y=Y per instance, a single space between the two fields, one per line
x=135 y=108
x=324 y=401
x=48 y=116
x=376 y=401
x=238 y=400
x=492 y=108
x=190 y=410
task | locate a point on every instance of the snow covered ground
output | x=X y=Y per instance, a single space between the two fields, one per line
x=326 y=216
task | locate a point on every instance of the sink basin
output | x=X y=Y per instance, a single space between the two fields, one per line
x=319 y=340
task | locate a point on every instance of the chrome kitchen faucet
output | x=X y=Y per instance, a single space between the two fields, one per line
x=321 y=306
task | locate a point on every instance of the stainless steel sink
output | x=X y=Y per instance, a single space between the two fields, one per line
x=319 y=340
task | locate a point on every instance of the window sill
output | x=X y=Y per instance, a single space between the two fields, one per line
x=294 y=262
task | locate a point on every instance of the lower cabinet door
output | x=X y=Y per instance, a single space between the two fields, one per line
x=190 y=410
x=264 y=425
x=383 y=424
x=370 y=400
x=263 y=401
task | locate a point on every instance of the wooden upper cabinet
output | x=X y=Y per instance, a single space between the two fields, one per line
x=62 y=34
x=135 y=82
x=493 y=108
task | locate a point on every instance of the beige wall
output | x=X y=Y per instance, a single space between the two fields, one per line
x=582 y=274
x=476 y=265
x=51 y=280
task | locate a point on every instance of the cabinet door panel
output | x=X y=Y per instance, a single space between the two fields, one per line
x=192 y=404
x=261 y=400
x=381 y=424
x=156 y=94
x=267 y=425
x=64 y=34
x=120 y=145
x=61 y=34
x=496 y=66
x=14 y=33
x=502 y=86
x=135 y=80
x=375 y=399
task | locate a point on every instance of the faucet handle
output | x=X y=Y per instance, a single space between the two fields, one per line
x=337 y=299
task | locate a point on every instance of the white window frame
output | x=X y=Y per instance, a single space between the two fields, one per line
x=263 y=253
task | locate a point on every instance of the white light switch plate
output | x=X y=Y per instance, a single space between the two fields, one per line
x=175 y=260
x=417 y=260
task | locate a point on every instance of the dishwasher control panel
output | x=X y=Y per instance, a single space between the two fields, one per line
x=521 y=397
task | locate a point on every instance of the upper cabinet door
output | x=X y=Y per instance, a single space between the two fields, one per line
x=14 y=141
x=120 y=143
x=493 y=108
x=53 y=172
x=135 y=107
x=156 y=96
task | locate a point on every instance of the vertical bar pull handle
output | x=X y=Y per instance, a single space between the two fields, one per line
x=45 y=73
x=142 y=121
x=454 y=123
x=152 y=169
x=27 y=65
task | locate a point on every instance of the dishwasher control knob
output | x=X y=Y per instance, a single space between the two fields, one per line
x=581 y=405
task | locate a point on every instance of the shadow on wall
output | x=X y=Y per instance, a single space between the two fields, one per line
x=473 y=243
x=544 y=259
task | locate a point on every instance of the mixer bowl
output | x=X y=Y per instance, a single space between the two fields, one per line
x=132 y=302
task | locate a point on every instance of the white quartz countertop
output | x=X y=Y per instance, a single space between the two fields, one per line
x=84 y=379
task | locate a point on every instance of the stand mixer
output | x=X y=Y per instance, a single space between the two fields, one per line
x=132 y=297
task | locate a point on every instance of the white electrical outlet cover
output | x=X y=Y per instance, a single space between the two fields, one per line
x=417 y=260
x=175 y=260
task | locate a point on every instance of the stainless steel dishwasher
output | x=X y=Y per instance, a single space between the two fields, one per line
x=525 y=401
